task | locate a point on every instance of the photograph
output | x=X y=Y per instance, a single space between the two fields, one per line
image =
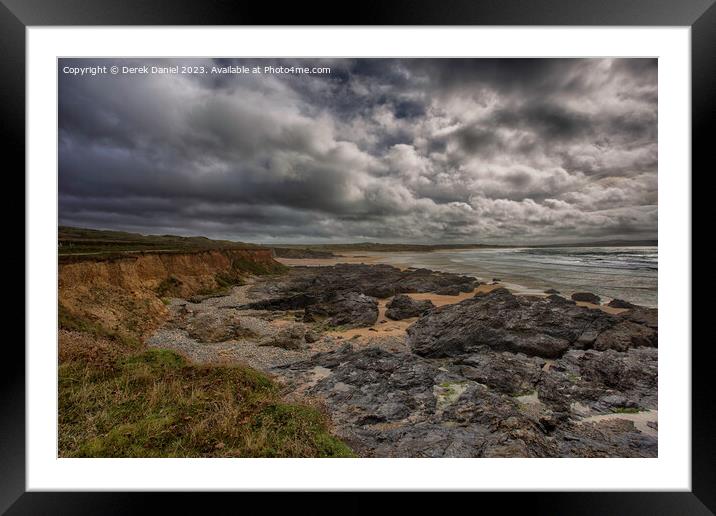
x=357 y=257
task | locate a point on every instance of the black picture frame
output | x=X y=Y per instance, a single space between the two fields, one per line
x=700 y=15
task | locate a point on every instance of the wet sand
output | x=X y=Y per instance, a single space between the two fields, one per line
x=605 y=308
x=383 y=327
x=640 y=420
x=440 y=300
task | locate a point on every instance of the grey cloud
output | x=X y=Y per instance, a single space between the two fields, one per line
x=487 y=150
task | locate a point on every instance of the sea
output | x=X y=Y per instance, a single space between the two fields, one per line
x=628 y=273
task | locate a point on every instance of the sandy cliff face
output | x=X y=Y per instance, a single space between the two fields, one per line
x=125 y=293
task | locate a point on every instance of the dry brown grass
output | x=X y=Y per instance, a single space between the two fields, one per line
x=116 y=400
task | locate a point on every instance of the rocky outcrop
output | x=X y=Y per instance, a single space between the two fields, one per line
x=344 y=294
x=349 y=310
x=496 y=375
x=625 y=335
x=404 y=307
x=501 y=321
x=586 y=297
x=601 y=382
x=620 y=303
x=642 y=315
x=381 y=281
x=508 y=373
x=400 y=405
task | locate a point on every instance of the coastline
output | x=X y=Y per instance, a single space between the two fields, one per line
x=438 y=300
x=458 y=368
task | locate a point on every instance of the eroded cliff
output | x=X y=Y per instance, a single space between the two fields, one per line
x=125 y=293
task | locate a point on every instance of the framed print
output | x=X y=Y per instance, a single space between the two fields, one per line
x=425 y=252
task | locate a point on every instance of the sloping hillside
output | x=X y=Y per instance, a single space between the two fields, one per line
x=80 y=243
x=125 y=293
x=119 y=399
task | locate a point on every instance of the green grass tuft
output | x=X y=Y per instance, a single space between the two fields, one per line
x=625 y=410
x=155 y=404
x=296 y=431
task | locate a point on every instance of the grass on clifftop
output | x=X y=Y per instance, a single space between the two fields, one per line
x=115 y=401
x=78 y=241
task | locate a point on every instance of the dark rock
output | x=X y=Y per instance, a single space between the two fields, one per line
x=330 y=292
x=616 y=401
x=554 y=298
x=450 y=290
x=496 y=375
x=634 y=372
x=400 y=405
x=551 y=291
x=508 y=373
x=642 y=315
x=404 y=307
x=294 y=302
x=311 y=336
x=626 y=335
x=601 y=381
x=320 y=284
x=552 y=420
x=620 y=303
x=586 y=297
x=380 y=291
x=503 y=322
x=349 y=309
x=610 y=438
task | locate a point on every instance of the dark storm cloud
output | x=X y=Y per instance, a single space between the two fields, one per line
x=492 y=150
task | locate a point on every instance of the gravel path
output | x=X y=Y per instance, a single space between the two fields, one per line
x=243 y=351
x=220 y=312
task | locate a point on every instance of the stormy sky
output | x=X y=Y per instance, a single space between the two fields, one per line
x=502 y=151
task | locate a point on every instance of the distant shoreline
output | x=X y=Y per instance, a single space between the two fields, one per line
x=84 y=241
x=378 y=247
x=524 y=280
